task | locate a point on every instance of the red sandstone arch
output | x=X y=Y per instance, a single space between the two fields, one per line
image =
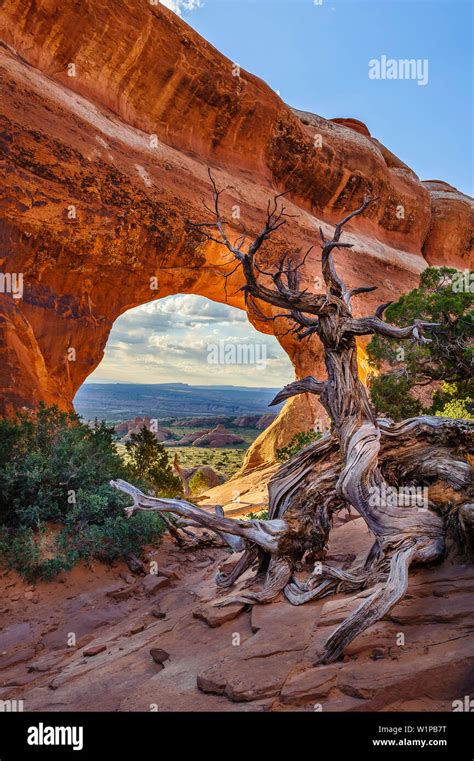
x=125 y=146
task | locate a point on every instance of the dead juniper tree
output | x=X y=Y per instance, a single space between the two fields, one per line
x=361 y=463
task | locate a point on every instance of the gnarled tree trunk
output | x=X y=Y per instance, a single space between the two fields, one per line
x=347 y=468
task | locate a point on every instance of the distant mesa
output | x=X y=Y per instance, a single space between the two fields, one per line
x=260 y=422
x=214 y=437
x=246 y=421
x=218 y=437
x=264 y=421
x=189 y=438
x=195 y=422
x=128 y=427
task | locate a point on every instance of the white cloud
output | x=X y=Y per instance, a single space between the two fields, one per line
x=168 y=340
x=181 y=5
x=191 y=308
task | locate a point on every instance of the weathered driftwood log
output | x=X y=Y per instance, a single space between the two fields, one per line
x=374 y=466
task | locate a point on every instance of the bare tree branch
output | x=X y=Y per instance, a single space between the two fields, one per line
x=307 y=385
x=331 y=278
x=365 y=326
x=348 y=295
x=381 y=309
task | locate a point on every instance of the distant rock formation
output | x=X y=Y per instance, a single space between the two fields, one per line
x=255 y=421
x=246 y=421
x=127 y=427
x=218 y=437
x=265 y=421
x=190 y=438
x=195 y=422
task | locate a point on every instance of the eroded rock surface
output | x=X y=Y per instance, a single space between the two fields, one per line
x=111 y=114
x=421 y=657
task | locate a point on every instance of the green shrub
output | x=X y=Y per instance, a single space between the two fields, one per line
x=200 y=481
x=447 y=403
x=22 y=550
x=50 y=457
x=390 y=394
x=56 y=506
x=148 y=463
x=408 y=369
x=297 y=443
x=262 y=515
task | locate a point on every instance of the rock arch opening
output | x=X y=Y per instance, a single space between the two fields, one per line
x=194 y=367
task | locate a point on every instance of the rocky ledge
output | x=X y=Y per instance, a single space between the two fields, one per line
x=103 y=639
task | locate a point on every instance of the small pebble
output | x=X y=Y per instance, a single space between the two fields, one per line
x=95 y=650
x=159 y=656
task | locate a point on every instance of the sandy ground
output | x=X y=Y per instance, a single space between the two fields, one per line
x=83 y=642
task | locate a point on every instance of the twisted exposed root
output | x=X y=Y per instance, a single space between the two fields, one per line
x=383 y=599
x=373 y=608
x=277 y=577
x=325 y=580
x=404 y=534
x=245 y=562
x=304 y=497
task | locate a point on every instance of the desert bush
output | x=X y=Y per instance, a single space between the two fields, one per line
x=297 y=443
x=56 y=506
x=148 y=463
x=261 y=515
x=434 y=377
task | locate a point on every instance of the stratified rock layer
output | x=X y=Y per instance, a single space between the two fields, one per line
x=160 y=642
x=111 y=114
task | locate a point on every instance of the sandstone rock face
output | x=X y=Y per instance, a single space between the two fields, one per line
x=218 y=437
x=111 y=114
x=450 y=237
x=420 y=657
x=245 y=492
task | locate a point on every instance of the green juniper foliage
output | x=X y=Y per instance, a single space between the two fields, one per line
x=262 y=515
x=198 y=482
x=297 y=443
x=444 y=296
x=56 y=506
x=148 y=462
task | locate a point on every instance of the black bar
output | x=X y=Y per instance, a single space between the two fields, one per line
x=114 y=735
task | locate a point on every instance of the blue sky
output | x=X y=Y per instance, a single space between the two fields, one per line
x=317 y=57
